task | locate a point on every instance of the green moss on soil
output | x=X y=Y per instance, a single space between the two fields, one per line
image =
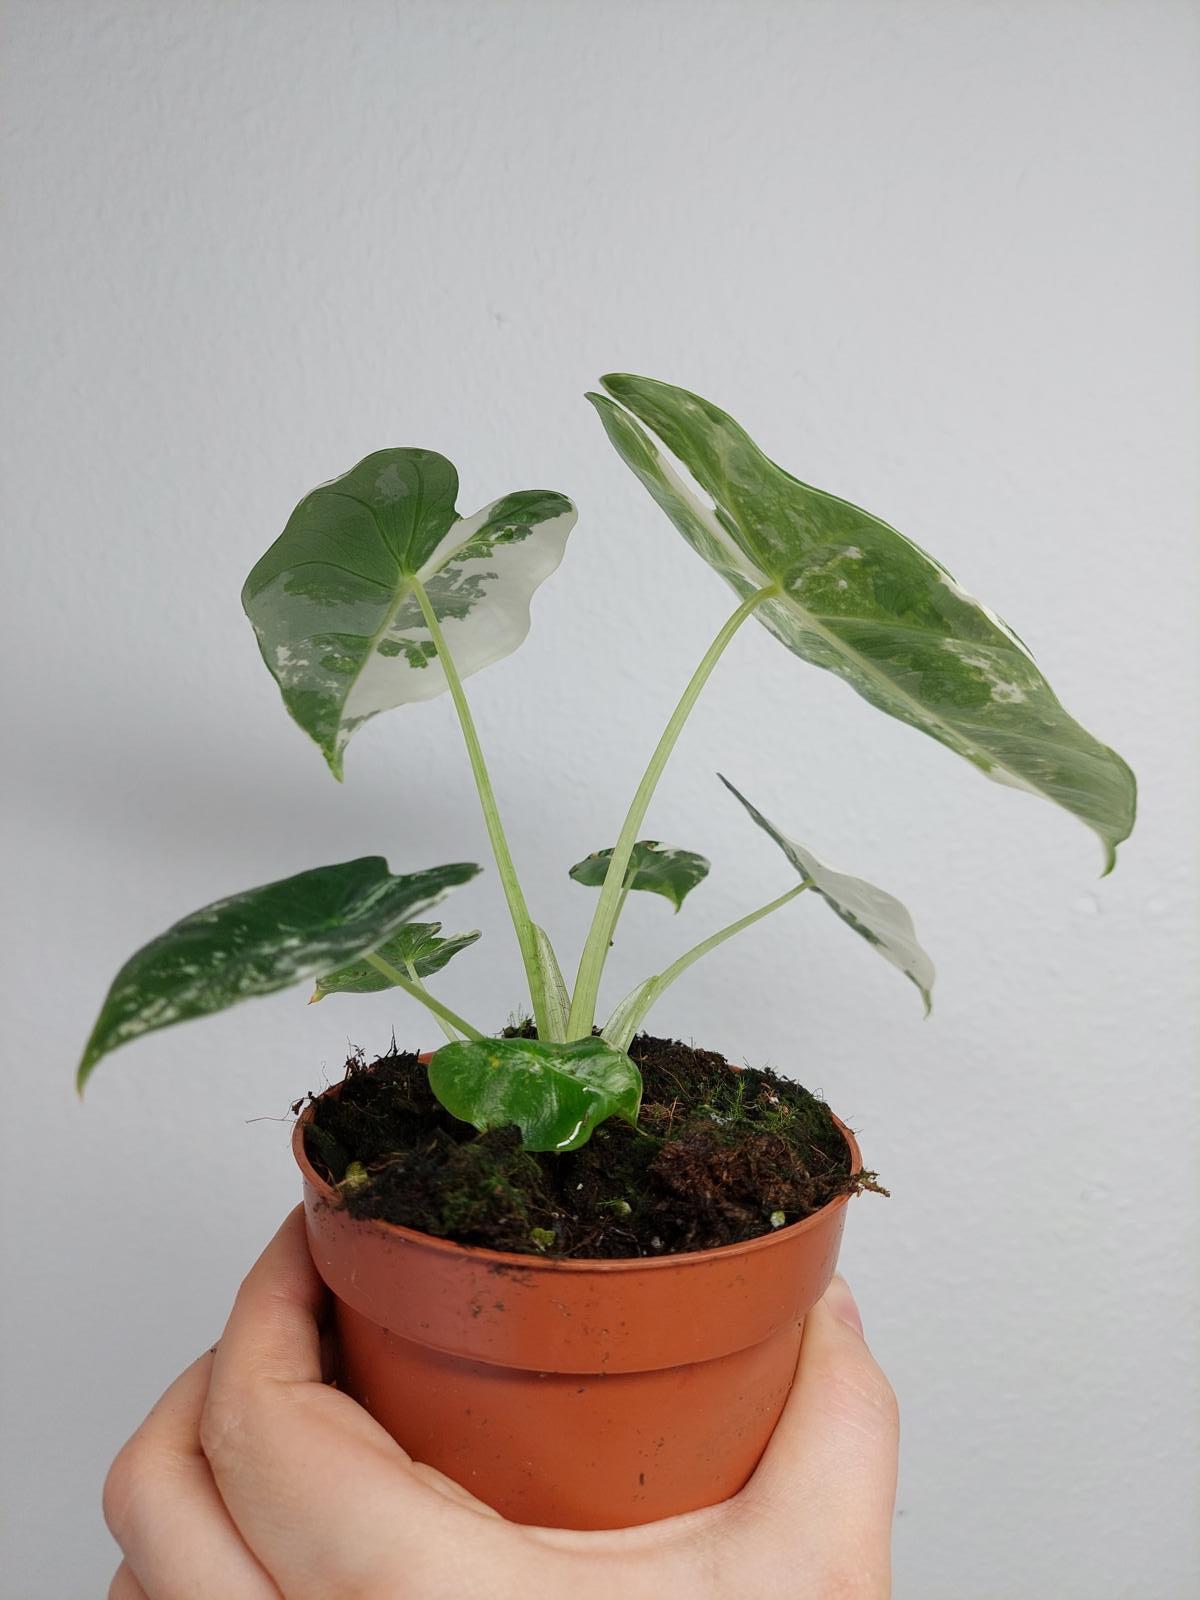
x=728 y=1152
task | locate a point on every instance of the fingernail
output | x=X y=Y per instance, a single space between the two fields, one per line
x=843 y=1304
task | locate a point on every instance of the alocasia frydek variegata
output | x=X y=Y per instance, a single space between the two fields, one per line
x=379 y=593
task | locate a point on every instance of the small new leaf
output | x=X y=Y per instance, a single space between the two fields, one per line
x=332 y=601
x=877 y=916
x=658 y=868
x=262 y=940
x=556 y=1094
x=417 y=942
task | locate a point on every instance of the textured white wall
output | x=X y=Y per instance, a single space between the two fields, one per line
x=939 y=257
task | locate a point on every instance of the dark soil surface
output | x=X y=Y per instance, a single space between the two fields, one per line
x=725 y=1154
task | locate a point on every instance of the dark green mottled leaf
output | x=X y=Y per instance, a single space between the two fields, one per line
x=877 y=916
x=659 y=868
x=332 y=601
x=417 y=943
x=262 y=940
x=556 y=1094
x=856 y=597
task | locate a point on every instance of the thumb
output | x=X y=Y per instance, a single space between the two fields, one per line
x=828 y=1479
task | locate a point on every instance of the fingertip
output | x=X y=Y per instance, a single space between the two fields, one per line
x=840 y=1302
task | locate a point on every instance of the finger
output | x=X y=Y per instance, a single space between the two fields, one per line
x=318 y=1490
x=164 y=1511
x=834 y=1454
x=125 y=1586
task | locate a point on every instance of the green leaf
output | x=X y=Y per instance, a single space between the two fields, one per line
x=879 y=917
x=332 y=601
x=859 y=599
x=558 y=999
x=262 y=940
x=556 y=1094
x=416 y=942
x=659 y=868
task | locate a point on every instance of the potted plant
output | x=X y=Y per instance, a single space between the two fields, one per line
x=570 y=1262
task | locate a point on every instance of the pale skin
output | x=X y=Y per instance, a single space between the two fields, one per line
x=253 y=1479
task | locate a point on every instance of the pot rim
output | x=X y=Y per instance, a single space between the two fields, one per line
x=510 y=1259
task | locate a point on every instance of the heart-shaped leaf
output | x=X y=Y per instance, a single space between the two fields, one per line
x=879 y=917
x=556 y=1094
x=332 y=600
x=417 y=944
x=262 y=940
x=659 y=868
x=856 y=597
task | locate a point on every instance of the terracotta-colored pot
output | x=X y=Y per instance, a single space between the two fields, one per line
x=572 y=1394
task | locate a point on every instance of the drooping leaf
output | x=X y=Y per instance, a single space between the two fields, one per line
x=417 y=942
x=262 y=940
x=659 y=868
x=879 y=917
x=332 y=601
x=856 y=597
x=556 y=1094
x=558 y=999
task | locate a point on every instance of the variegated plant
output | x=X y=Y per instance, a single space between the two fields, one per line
x=379 y=593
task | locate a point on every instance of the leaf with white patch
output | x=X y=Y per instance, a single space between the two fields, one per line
x=857 y=598
x=262 y=940
x=333 y=603
x=418 y=944
x=658 y=868
x=877 y=916
x=555 y=1093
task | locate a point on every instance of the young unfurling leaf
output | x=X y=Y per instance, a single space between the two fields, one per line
x=417 y=943
x=556 y=1094
x=658 y=868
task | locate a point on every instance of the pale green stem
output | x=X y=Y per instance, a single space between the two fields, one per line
x=667 y=977
x=655 y=988
x=621 y=906
x=518 y=910
x=441 y=1021
x=595 y=950
x=419 y=992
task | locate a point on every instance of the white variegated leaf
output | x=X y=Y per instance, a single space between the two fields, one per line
x=874 y=914
x=333 y=604
x=261 y=940
x=857 y=598
x=656 y=868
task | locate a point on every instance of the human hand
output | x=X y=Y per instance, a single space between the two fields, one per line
x=252 y=1479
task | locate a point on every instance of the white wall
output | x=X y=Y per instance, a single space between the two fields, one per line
x=941 y=258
